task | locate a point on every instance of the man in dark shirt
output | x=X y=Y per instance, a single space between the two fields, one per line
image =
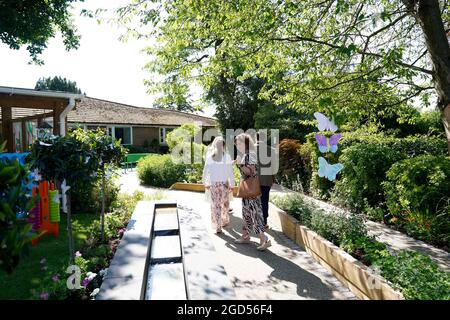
x=266 y=158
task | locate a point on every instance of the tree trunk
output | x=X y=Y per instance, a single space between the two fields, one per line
x=103 y=207
x=428 y=14
x=446 y=121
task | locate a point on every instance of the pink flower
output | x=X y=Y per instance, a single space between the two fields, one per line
x=78 y=254
x=55 y=278
x=44 y=295
x=121 y=232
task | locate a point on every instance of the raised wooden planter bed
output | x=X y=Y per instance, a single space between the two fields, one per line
x=351 y=272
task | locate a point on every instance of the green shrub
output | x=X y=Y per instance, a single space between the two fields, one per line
x=15 y=203
x=418 y=195
x=413 y=273
x=295 y=165
x=365 y=167
x=295 y=206
x=89 y=198
x=337 y=227
x=160 y=171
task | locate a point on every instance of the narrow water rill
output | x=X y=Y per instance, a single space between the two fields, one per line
x=165 y=254
x=165 y=276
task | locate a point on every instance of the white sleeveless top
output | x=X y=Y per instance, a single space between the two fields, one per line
x=215 y=171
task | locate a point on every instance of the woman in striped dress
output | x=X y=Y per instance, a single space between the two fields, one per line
x=252 y=214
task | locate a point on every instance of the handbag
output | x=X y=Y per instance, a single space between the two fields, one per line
x=249 y=188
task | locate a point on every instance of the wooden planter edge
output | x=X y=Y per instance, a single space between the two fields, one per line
x=352 y=273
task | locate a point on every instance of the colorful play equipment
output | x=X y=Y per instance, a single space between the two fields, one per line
x=44 y=217
x=53 y=196
x=34 y=216
x=48 y=211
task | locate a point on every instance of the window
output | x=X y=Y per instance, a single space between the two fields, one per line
x=124 y=134
x=163 y=135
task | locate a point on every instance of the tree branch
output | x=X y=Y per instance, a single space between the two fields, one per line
x=331 y=45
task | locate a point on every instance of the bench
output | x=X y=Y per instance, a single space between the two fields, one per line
x=132 y=159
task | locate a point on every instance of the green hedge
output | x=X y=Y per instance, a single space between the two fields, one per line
x=365 y=167
x=160 y=171
x=410 y=146
x=418 y=196
x=295 y=165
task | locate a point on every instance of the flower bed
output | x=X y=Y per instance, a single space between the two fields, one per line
x=92 y=258
x=369 y=268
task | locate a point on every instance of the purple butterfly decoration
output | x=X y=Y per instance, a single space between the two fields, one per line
x=322 y=141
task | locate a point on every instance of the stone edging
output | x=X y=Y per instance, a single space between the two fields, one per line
x=351 y=272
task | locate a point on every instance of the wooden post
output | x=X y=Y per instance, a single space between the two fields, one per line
x=56 y=124
x=7 y=128
x=24 y=136
x=103 y=205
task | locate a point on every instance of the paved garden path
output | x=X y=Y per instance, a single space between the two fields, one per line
x=393 y=238
x=284 y=271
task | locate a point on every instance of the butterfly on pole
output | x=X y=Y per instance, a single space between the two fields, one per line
x=325 y=124
x=324 y=146
x=327 y=170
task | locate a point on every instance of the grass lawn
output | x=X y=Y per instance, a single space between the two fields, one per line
x=28 y=273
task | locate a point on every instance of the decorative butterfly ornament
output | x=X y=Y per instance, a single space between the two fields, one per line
x=322 y=141
x=325 y=124
x=327 y=170
x=64 y=189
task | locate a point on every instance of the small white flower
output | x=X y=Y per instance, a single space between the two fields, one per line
x=95 y=292
x=91 y=275
x=35 y=175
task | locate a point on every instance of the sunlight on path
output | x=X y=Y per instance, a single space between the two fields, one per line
x=284 y=271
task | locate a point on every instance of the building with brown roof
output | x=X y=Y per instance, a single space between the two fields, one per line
x=133 y=125
x=24 y=111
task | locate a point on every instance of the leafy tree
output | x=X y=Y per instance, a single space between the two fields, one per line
x=78 y=159
x=236 y=101
x=108 y=154
x=175 y=96
x=57 y=84
x=290 y=123
x=334 y=56
x=32 y=23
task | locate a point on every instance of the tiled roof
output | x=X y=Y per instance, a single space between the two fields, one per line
x=97 y=111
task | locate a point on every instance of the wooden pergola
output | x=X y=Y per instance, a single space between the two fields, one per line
x=22 y=105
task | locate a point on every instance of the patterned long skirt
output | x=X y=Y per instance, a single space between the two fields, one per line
x=252 y=215
x=220 y=204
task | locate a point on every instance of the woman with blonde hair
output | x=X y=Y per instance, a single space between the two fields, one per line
x=219 y=179
x=252 y=214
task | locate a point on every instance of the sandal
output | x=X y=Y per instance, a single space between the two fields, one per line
x=242 y=240
x=265 y=245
